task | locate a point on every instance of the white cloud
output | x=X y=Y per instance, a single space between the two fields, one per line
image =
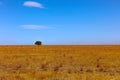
x=33 y=4
x=35 y=27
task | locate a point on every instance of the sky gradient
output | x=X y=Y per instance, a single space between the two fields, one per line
x=60 y=21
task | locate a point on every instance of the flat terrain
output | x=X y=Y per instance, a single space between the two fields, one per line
x=60 y=62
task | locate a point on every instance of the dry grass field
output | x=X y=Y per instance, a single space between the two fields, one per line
x=59 y=62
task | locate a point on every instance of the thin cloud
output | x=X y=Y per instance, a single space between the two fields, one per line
x=33 y=4
x=34 y=27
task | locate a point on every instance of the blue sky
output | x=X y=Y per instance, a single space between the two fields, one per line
x=60 y=21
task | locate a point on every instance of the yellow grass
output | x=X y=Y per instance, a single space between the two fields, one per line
x=59 y=62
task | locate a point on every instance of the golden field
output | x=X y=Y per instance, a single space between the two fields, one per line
x=60 y=62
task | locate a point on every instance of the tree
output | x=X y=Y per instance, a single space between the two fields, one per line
x=38 y=43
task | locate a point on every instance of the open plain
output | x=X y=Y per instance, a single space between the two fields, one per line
x=47 y=62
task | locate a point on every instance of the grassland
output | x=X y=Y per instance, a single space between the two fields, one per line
x=59 y=62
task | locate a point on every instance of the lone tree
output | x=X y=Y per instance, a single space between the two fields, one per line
x=38 y=43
